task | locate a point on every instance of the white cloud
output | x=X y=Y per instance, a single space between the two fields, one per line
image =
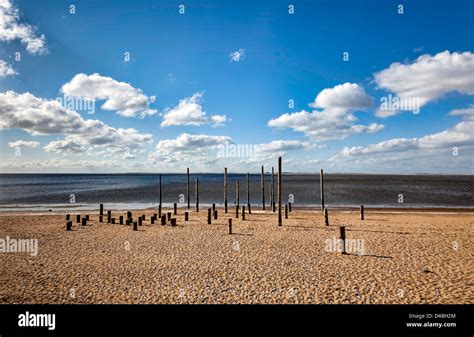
x=335 y=120
x=47 y=117
x=23 y=143
x=436 y=149
x=11 y=29
x=428 y=78
x=119 y=96
x=283 y=146
x=237 y=56
x=6 y=69
x=189 y=112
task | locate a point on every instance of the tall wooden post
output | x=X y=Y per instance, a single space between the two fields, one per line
x=273 y=190
x=101 y=209
x=225 y=189
x=279 y=191
x=362 y=212
x=160 y=193
x=326 y=217
x=321 y=187
x=187 y=191
x=237 y=193
x=342 y=237
x=262 y=185
x=197 y=195
x=248 y=191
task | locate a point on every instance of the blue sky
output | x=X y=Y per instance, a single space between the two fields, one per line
x=187 y=58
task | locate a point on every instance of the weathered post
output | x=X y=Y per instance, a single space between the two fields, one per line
x=262 y=186
x=321 y=188
x=129 y=214
x=68 y=216
x=342 y=237
x=289 y=206
x=109 y=216
x=161 y=200
x=248 y=192
x=362 y=212
x=163 y=220
x=209 y=216
x=140 y=219
x=215 y=214
x=237 y=193
x=230 y=226
x=69 y=225
x=175 y=208
x=112 y=221
x=101 y=209
x=173 y=222
x=78 y=218
x=84 y=221
x=152 y=220
x=186 y=216
x=187 y=189
x=197 y=194
x=286 y=211
x=159 y=210
x=243 y=212
x=326 y=217
x=101 y=218
x=168 y=216
x=279 y=192
x=87 y=217
x=213 y=207
x=225 y=189
x=135 y=228
x=236 y=211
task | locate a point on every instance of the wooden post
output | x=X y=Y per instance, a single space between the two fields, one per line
x=209 y=216
x=175 y=208
x=84 y=221
x=342 y=236
x=161 y=199
x=362 y=212
x=326 y=217
x=101 y=218
x=159 y=210
x=173 y=222
x=78 y=218
x=197 y=194
x=225 y=189
x=152 y=220
x=289 y=206
x=109 y=215
x=286 y=211
x=279 y=191
x=321 y=188
x=143 y=217
x=262 y=186
x=187 y=189
x=237 y=193
x=250 y=210
x=213 y=207
x=168 y=216
x=113 y=221
x=236 y=211
x=163 y=220
x=248 y=192
x=273 y=190
x=129 y=214
x=101 y=209
x=243 y=212
x=215 y=214
x=186 y=216
x=68 y=216
x=140 y=219
x=135 y=228
x=87 y=217
x=230 y=226
x=69 y=225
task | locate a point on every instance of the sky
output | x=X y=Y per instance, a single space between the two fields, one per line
x=159 y=86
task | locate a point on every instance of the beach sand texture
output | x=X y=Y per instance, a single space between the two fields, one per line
x=409 y=257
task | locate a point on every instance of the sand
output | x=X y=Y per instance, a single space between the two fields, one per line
x=408 y=257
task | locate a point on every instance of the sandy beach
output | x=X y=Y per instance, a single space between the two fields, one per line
x=403 y=257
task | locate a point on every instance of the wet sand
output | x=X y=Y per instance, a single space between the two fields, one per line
x=422 y=256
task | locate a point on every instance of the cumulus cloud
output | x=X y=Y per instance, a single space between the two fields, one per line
x=23 y=143
x=6 y=69
x=189 y=112
x=12 y=29
x=279 y=146
x=119 y=96
x=237 y=55
x=438 y=147
x=336 y=119
x=38 y=116
x=428 y=78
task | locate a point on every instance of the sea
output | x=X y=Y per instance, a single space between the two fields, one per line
x=44 y=192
